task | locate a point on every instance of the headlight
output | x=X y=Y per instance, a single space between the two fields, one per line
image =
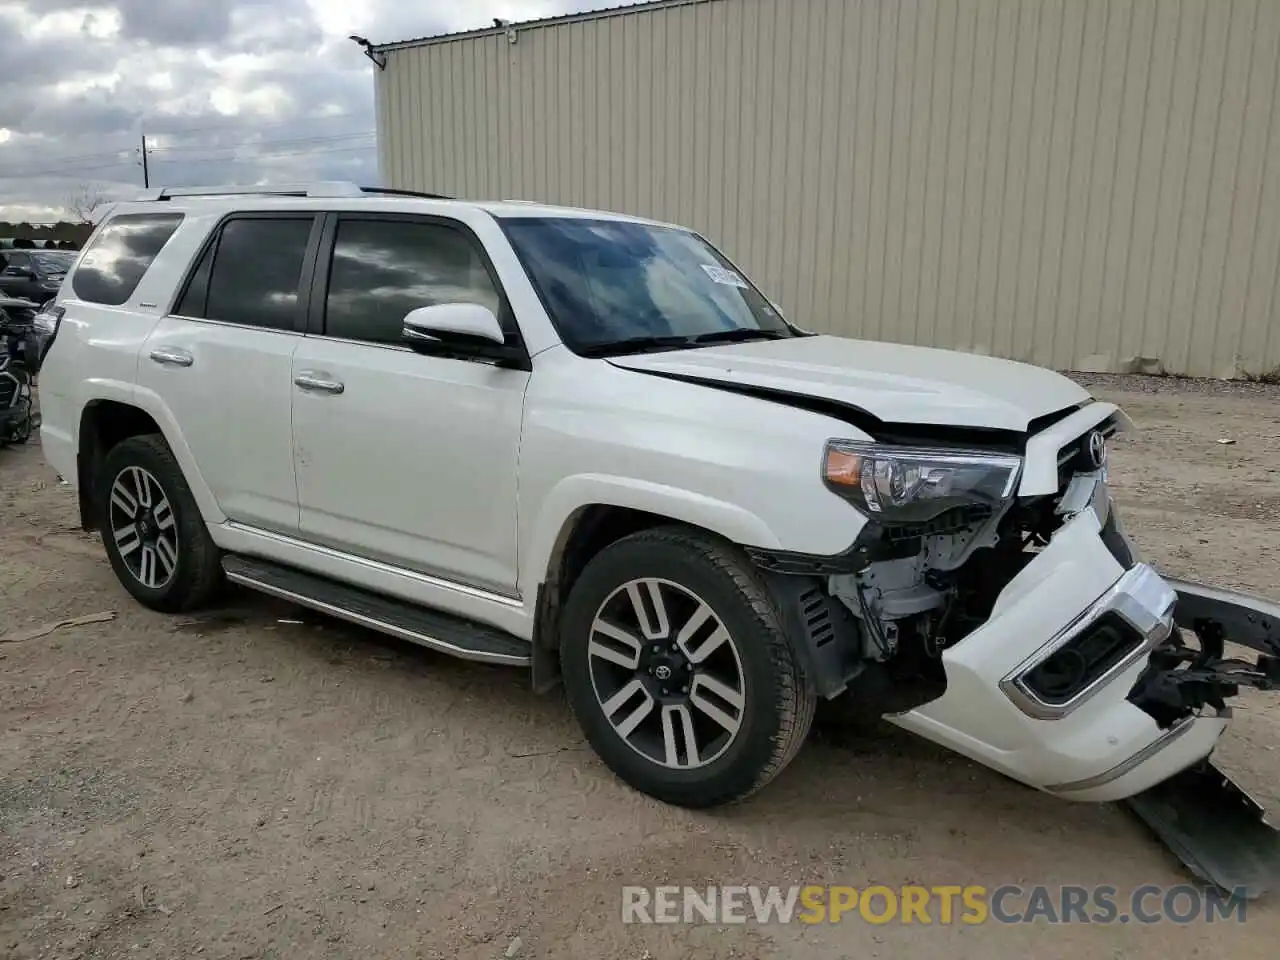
x=915 y=484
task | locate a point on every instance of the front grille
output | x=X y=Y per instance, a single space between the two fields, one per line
x=1073 y=457
x=1081 y=661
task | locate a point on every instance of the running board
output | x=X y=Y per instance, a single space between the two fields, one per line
x=429 y=628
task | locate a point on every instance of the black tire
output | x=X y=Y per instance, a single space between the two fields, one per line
x=778 y=703
x=23 y=433
x=197 y=574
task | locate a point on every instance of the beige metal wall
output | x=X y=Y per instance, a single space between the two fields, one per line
x=1079 y=183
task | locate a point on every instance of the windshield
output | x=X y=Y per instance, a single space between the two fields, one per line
x=611 y=283
x=54 y=261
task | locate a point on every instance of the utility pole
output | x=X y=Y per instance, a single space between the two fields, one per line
x=146 y=174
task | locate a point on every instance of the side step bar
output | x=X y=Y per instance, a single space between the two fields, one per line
x=429 y=628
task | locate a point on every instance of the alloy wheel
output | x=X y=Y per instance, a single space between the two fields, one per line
x=144 y=527
x=666 y=673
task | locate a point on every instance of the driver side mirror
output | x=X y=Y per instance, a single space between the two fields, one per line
x=466 y=330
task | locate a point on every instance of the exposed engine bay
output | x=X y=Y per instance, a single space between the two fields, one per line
x=924 y=593
x=921 y=594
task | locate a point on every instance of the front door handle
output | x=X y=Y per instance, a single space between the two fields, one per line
x=318 y=384
x=172 y=356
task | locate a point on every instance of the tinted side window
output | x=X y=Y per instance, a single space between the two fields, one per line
x=196 y=296
x=114 y=264
x=16 y=263
x=382 y=269
x=257 y=271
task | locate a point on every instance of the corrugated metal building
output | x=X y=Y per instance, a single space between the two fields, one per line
x=1086 y=184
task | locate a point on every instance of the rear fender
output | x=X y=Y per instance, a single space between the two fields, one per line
x=150 y=402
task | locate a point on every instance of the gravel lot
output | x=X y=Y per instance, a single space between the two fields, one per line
x=239 y=785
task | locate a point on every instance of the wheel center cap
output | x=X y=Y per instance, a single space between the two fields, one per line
x=662 y=672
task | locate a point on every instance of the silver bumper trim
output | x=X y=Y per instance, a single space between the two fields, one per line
x=1124 y=767
x=1141 y=598
x=1132 y=763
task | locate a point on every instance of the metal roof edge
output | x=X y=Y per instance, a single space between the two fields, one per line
x=564 y=18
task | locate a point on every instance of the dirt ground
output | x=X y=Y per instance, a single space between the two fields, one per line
x=242 y=786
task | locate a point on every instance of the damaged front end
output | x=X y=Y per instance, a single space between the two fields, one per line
x=1017 y=627
x=1213 y=826
x=1183 y=678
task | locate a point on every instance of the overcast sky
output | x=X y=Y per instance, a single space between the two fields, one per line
x=227 y=91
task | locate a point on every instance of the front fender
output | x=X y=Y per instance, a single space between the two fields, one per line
x=573 y=493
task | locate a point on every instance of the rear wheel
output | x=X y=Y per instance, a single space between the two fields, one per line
x=677 y=668
x=155 y=537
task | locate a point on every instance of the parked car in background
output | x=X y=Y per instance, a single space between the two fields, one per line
x=34 y=275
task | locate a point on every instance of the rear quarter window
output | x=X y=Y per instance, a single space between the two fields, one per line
x=113 y=265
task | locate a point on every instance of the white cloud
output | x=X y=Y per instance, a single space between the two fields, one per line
x=226 y=90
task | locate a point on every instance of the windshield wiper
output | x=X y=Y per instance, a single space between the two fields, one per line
x=740 y=335
x=618 y=348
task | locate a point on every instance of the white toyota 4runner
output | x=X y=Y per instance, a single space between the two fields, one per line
x=585 y=444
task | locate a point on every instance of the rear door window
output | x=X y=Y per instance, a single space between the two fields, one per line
x=118 y=258
x=252 y=274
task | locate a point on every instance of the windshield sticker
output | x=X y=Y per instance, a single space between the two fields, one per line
x=721 y=275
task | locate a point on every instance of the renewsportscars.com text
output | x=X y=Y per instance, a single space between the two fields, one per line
x=941 y=904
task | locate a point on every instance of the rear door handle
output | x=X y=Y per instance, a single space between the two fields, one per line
x=172 y=356
x=318 y=384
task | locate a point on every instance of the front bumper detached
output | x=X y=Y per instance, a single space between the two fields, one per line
x=1086 y=680
x=1182 y=676
x=1218 y=831
x=1126 y=698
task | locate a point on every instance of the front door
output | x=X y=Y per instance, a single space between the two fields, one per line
x=403 y=458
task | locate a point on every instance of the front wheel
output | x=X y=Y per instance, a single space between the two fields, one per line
x=677 y=668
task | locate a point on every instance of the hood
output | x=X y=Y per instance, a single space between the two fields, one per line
x=895 y=383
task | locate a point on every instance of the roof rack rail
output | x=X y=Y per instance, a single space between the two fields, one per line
x=325 y=188
x=331 y=189
x=406 y=193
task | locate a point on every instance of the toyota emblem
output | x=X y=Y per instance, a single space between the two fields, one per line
x=1097 y=450
x=663 y=672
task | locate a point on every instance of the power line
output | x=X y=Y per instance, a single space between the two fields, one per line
x=292 y=141
x=129 y=156
x=274 y=156
x=248 y=128
x=48 y=171
x=88 y=156
x=258 y=124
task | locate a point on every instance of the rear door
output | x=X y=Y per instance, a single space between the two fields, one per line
x=221 y=361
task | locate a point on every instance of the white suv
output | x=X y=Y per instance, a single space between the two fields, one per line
x=585 y=444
